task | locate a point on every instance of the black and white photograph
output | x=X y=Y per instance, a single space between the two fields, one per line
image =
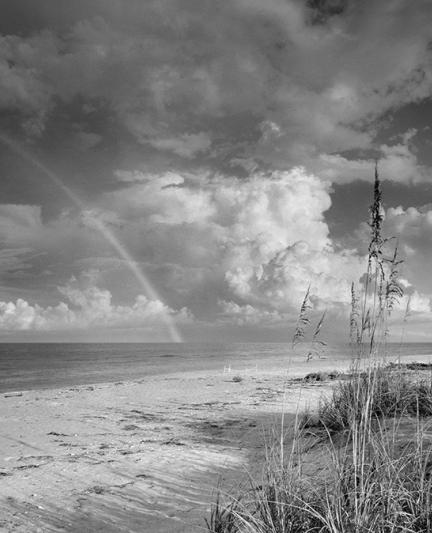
x=215 y=266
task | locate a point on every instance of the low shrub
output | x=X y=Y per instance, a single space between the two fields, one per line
x=385 y=393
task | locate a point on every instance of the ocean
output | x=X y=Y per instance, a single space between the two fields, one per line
x=27 y=366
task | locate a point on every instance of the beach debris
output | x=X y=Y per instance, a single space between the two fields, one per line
x=25 y=467
x=97 y=489
x=316 y=376
x=411 y=366
x=130 y=427
x=174 y=442
x=321 y=376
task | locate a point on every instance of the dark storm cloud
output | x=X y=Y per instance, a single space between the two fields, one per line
x=171 y=73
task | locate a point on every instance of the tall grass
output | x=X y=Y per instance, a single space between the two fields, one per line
x=316 y=345
x=387 y=393
x=364 y=475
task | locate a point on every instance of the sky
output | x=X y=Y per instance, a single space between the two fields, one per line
x=184 y=169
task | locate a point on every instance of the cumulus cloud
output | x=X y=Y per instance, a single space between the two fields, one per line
x=88 y=307
x=415 y=303
x=203 y=238
x=228 y=249
x=220 y=246
x=259 y=242
x=247 y=315
x=412 y=227
x=414 y=224
x=256 y=244
x=283 y=280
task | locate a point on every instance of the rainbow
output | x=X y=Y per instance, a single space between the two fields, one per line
x=109 y=236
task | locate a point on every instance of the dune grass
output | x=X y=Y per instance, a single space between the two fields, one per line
x=366 y=478
x=382 y=392
x=370 y=466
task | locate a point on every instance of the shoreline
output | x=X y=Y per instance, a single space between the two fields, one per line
x=148 y=452
x=52 y=371
x=293 y=366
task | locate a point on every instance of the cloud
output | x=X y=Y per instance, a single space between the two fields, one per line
x=202 y=238
x=23 y=88
x=416 y=303
x=413 y=229
x=63 y=237
x=16 y=262
x=229 y=122
x=254 y=242
x=87 y=140
x=247 y=315
x=172 y=80
x=169 y=198
x=19 y=222
x=246 y=250
x=88 y=307
x=397 y=163
x=282 y=281
x=187 y=145
x=410 y=229
x=222 y=247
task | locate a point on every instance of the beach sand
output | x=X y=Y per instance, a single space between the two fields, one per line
x=145 y=455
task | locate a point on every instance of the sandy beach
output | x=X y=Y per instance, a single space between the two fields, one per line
x=144 y=455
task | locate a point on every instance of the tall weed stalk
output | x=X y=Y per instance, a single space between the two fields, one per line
x=368 y=476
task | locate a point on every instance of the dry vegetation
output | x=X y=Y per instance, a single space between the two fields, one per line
x=370 y=477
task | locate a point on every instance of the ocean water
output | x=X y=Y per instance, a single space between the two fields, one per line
x=26 y=366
